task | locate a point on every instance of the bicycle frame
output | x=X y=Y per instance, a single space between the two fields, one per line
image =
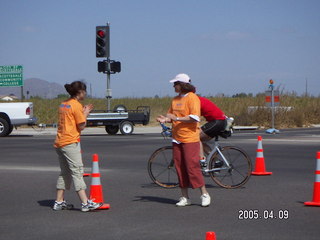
x=213 y=151
x=166 y=132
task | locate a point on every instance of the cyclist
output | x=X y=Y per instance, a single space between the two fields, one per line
x=184 y=114
x=216 y=122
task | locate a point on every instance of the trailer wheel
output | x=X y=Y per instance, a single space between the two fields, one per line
x=4 y=127
x=111 y=129
x=126 y=128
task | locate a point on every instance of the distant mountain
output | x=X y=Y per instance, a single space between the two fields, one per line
x=36 y=88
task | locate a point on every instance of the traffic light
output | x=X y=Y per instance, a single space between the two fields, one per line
x=102 y=41
x=104 y=67
x=115 y=66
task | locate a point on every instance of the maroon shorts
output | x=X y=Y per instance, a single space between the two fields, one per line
x=186 y=159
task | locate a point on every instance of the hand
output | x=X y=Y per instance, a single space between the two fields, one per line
x=161 y=119
x=87 y=109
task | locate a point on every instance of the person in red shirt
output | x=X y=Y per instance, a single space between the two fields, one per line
x=216 y=121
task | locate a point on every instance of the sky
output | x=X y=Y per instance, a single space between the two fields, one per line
x=225 y=46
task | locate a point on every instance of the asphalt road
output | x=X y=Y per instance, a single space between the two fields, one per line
x=141 y=210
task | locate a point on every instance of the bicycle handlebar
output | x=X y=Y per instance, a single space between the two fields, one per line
x=166 y=131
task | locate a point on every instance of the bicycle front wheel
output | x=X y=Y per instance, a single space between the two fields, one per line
x=161 y=168
x=239 y=171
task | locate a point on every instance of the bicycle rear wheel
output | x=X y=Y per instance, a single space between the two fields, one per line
x=238 y=173
x=161 y=168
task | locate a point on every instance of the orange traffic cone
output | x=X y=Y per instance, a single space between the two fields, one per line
x=210 y=236
x=260 y=165
x=316 y=188
x=96 y=188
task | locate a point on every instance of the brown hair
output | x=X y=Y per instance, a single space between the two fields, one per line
x=75 y=87
x=187 y=87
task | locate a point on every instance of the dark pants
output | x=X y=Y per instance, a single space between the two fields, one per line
x=213 y=128
x=186 y=159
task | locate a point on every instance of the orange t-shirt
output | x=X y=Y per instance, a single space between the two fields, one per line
x=183 y=106
x=70 y=115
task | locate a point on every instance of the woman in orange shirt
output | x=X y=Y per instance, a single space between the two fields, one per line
x=72 y=120
x=184 y=114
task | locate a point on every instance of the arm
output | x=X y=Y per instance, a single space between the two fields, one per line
x=86 y=111
x=187 y=119
x=171 y=117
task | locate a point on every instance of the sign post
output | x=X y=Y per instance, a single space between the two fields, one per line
x=272 y=100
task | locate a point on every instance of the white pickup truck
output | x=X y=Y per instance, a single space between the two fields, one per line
x=15 y=114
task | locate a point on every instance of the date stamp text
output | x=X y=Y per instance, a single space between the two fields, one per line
x=255 y=214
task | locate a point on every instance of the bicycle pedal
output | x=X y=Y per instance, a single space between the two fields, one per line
x=203 y=163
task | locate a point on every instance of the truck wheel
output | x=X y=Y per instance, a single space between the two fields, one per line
x=4 y=127
x=112 y=130
x=126 y=128
x=10 y=129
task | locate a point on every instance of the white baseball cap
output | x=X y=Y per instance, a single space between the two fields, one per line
x=181 y=77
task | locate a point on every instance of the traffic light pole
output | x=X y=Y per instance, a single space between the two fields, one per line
x=109 y=93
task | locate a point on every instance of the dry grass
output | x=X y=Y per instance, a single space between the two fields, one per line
x=306 y=110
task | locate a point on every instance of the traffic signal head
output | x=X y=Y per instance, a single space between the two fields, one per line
x=103 y=66
x=115 y=66
x=102 y=41
x=111 y=67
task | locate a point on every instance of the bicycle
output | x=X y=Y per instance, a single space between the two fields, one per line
x=229 y=166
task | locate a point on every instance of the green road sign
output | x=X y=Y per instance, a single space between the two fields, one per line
x=11 y=76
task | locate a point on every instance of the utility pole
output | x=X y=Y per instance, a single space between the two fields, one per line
x=272 y=100
x=306 y=87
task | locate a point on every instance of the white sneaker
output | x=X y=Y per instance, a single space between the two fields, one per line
x=183 y=202
x=90 y=205
x=205 y=200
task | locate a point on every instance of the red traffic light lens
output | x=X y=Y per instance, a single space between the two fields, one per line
x=101 y=33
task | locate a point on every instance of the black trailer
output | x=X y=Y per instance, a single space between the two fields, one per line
x=119 y=119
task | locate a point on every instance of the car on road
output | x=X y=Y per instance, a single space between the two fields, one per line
x=15 y=114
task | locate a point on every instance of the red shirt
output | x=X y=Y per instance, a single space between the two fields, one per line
x=210 y=111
